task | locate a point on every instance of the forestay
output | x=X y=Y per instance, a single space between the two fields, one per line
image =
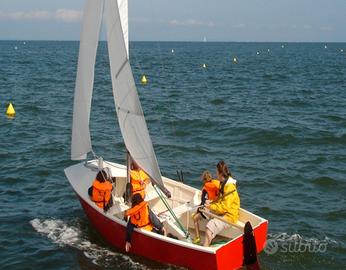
x=130 y=115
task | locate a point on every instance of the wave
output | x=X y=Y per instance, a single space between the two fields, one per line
x=339 y=214
x=64 y=234
x=260 y=136
x=300 y=252
x=275 y=76
x=285 y=237
x=328 y=138
x=336 y=118
x=325 y=181
x=217 y=101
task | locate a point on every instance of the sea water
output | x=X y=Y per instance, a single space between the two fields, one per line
x=277 y=117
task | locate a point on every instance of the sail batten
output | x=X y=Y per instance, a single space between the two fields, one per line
x=129 y=111
x=121 y=68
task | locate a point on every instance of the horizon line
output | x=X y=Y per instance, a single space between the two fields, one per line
x=181 y=41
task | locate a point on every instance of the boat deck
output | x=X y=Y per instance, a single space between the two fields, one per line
x=184 y=202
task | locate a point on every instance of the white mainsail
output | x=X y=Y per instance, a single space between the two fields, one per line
x=92 y=18
x=130 y=114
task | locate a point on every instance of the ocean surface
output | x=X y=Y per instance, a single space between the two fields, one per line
x=277 y=117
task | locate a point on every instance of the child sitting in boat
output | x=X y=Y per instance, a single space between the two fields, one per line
x=210 y=191
x=226 y=205
x=101 y=190
x=140 y=216
x=138 y=179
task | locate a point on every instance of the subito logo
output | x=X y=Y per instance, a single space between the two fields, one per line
x=271 y=247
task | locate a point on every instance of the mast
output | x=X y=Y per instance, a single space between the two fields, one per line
x=128 y=175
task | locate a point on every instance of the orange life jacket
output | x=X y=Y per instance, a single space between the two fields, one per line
x=139 y=216
x=101 y=193
x=139 y=180
x=212 y=188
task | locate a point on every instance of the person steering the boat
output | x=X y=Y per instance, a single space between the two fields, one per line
x=138 y=179
x=210 y=191
x=226 y=205
x=141 y=216
x=101 y=190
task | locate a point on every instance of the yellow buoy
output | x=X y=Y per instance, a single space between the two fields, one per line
x=144 y=80
x=10 y=110
x=204 y=66
x=235 y=60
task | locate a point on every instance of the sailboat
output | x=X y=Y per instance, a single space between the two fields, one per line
x=175 y=209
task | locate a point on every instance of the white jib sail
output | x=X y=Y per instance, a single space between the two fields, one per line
x=92 y=18
x=130 y=115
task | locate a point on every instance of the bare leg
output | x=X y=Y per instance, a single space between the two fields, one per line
x=164 y=231
x=196 y=219
x=208 y=237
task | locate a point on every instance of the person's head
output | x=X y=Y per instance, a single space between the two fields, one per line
x=136 y=199
x=134 y=165
x=222 y=171
x=101 y=176
x=206 y=176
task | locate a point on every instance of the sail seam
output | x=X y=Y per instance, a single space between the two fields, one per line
x=121 y=68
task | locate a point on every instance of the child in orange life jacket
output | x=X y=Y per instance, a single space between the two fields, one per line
x=140 y=216
x=101 y=190
x=210 y=191
x=138 y=179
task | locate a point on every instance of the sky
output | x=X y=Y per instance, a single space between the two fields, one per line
x=185 y=20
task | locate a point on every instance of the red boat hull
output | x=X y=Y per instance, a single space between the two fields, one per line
x=228 y=257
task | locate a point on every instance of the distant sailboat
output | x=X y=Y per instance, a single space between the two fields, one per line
x=205 y=39
x=228 y=254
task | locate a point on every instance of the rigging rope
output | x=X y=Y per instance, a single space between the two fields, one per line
x=187 y=234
